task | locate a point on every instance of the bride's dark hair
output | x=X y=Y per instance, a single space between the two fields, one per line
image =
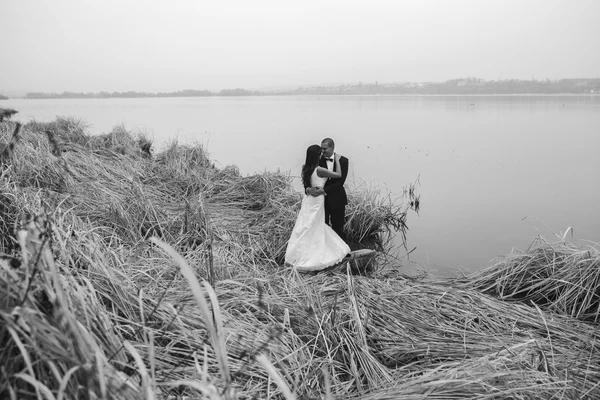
x=313 y=153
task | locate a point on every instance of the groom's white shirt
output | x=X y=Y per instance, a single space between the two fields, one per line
x=330 y=163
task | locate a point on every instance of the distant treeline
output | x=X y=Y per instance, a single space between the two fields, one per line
x=130 y=94
x=2 y=97
x=454 y=86
x=460 y=86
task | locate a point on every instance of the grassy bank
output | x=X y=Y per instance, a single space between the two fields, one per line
x=130 y=273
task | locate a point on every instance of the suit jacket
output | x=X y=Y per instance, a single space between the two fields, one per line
x=335 y=194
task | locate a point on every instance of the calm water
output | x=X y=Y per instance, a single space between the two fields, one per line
x=494 y=171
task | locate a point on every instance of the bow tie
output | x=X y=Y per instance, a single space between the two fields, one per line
x=328 y=159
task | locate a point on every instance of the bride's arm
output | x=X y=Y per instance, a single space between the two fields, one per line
x=322 y=172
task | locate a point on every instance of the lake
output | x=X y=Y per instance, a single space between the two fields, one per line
x=493 y=172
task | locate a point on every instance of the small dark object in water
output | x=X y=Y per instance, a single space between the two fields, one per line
x=414 y=204
x=6 y=113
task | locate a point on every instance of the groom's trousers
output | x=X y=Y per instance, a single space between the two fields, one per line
x=336 y=218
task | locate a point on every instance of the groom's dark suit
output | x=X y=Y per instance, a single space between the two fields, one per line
x=335 y=197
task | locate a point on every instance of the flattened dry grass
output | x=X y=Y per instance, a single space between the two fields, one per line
x=105 y=293
x=116 y=190
x=371 y=338
x=374 y=215
x=558 y=277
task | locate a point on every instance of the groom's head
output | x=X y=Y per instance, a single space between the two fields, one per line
x=327 y=147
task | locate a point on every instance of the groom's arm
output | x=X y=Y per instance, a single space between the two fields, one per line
x=338 y=183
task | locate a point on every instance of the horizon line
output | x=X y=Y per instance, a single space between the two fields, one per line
x=274 y=88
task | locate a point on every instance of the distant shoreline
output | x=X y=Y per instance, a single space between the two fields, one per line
x=463 y=86
x=330 y=95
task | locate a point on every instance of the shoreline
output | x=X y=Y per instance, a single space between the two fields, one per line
x=566 y=94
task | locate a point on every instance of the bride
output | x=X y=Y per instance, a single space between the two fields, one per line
x=313 y=245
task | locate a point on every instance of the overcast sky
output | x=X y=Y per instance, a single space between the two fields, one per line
x=162 y=46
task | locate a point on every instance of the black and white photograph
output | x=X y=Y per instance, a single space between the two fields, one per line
x=384 y=199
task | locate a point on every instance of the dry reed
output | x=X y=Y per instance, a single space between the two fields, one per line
x=91 y=308
x=559 y=277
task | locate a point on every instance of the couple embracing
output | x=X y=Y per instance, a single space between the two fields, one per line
x=314 y=245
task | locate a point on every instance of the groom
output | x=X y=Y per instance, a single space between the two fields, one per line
x=335 y=195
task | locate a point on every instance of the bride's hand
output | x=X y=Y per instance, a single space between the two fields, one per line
x=337 y=156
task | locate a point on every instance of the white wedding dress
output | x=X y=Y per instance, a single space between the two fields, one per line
x=314 y=245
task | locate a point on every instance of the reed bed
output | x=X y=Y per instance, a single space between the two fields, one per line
x=395 y=338
x=161 y=277
x=111 y=188
x=374 y=215
x=558 y=277
x=258 y=212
